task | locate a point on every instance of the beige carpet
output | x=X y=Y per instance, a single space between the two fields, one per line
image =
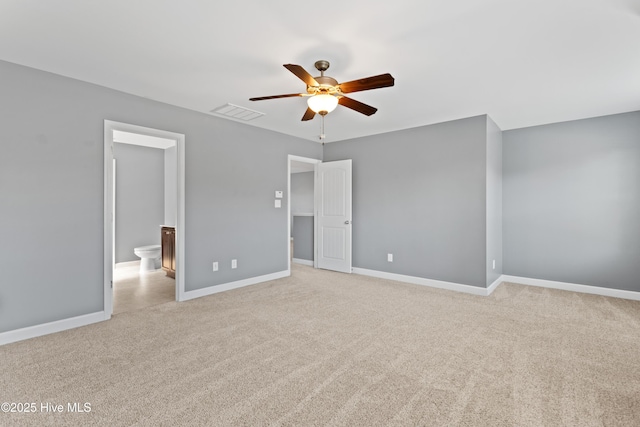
x=323 y=348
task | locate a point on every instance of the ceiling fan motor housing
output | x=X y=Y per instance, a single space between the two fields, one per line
x=327 y=85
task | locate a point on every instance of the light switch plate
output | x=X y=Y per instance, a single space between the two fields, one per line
x=278 y=194
x=278 y=203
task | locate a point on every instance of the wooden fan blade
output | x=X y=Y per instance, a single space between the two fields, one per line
x=368 y=83
x=308 y=115
x=358 y=106
x=302 y=74
x=262 y=98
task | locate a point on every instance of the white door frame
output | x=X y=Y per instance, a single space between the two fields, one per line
x=109 y=214
x=291 y=157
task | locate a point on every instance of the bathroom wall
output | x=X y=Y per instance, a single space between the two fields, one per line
x=170 y=186
x=140 y=196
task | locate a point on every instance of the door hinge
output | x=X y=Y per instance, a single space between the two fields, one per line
x=112 y=284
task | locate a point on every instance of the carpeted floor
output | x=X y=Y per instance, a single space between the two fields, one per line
x=324 y=348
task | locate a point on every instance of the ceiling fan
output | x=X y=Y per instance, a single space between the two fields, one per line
x=325 y=93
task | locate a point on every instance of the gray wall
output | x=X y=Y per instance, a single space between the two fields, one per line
x=302 y=184
x=420 y=194
x=302 y=231
x=572 y=202
x=139 y=198
x=494 y=201
x=302 y=192
x=51 y=182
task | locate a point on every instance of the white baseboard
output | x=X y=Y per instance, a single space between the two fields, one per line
x=585 y=289
x=51 y=327
x=303 y=261
x=87 y=319
x=135 y=266
x=574 y=287
x=188 y=295
x=492 y=287
x=475 y=290
x=128 y=264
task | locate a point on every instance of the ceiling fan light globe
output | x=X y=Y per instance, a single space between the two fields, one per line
x=322 y=103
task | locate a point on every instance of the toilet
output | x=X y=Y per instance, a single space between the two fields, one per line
x=148 y=256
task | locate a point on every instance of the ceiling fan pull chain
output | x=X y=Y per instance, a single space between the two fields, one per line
x=322 y=129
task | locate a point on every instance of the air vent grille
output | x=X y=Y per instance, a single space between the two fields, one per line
x=236 y=112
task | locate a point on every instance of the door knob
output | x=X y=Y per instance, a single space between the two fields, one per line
x=347 y=222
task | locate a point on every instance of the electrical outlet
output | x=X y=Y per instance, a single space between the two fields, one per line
x=215 y=266
x=234 y=263
x=494 y=264
x=390 y=257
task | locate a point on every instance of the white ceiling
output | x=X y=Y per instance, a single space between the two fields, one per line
x=523 y=62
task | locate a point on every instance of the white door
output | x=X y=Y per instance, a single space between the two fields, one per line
x=333 y=219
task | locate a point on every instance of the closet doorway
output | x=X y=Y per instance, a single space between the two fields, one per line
x=301 y=228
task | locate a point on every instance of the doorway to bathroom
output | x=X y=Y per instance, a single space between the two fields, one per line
x=144 y=197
